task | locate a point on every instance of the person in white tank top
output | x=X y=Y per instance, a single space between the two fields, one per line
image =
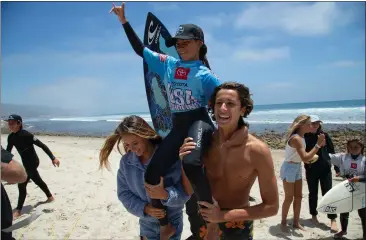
x=291 y=171
x=352 y=165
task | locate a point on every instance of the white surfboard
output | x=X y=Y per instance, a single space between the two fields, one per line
x=343 y=197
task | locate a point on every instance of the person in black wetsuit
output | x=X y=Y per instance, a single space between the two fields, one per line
x=319 y=171
x=12 y=172
x=189 y=83
x=24 y=142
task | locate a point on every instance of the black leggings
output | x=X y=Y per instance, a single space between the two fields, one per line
x=36 y=178
x=197 y=125
x=344 y=221
x=313 y=178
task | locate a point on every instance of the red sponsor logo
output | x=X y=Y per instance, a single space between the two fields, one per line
x=181 y=73
x=354 y=165
x=162 y=57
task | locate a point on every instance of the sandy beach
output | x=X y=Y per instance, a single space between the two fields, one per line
x=87 y=207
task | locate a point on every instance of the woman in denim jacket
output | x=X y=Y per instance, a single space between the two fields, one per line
x=141 y=141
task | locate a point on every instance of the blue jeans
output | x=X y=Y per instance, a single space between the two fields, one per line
x=290 y=172
x=151 y=230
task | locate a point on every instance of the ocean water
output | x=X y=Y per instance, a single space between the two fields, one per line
x=275 y=117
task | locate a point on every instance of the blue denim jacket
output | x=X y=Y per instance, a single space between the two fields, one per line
x=131 y=192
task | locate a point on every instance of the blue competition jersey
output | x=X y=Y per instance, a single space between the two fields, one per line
x=189 y=84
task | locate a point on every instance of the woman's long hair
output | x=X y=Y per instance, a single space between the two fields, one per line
x=296 y=124
x=130 y=125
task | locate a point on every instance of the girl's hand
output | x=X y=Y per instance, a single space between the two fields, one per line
x=354 y=179
x=120 y=12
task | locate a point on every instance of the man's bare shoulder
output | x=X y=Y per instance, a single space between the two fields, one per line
x=258 y=148
x=256 y=144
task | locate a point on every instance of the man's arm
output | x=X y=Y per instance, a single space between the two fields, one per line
x=263 y=163
x=186 y=184
x=13 y=172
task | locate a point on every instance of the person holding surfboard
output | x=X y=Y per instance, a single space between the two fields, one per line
x=352 y=166
x=233 y=162
x=319 y=171
x=291 y=172
x=173 y=191
x=189 y=83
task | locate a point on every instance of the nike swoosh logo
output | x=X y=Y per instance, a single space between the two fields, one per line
x=151 y=35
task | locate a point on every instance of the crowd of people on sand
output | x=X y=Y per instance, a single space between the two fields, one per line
x=208 y=169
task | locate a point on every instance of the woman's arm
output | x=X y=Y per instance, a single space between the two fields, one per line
x=130 y=201
x=296 y=142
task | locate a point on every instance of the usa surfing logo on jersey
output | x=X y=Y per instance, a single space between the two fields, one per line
x=181 y=73
x=181 y=99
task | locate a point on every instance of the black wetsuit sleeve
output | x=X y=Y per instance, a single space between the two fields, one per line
x=330 y=149
x=10 y=145
x=40 y=144
x=329 y=142
x=135 y=41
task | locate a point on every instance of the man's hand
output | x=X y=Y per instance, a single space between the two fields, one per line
x=187 y=147
x=212 y=213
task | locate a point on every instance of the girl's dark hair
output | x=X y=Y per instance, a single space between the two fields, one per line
x=130 y=125
x=244 y=96
x=359 y=142
x=202 y=55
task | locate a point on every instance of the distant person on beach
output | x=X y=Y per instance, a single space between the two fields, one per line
x=24 y=142
x=291 y=171
x=319 y=171
x=174 y=190
x=352 y=166
x=187 y=102
x=232 y=164
x=11 y=172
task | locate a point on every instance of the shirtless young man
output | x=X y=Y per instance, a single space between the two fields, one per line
x=233 y=162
